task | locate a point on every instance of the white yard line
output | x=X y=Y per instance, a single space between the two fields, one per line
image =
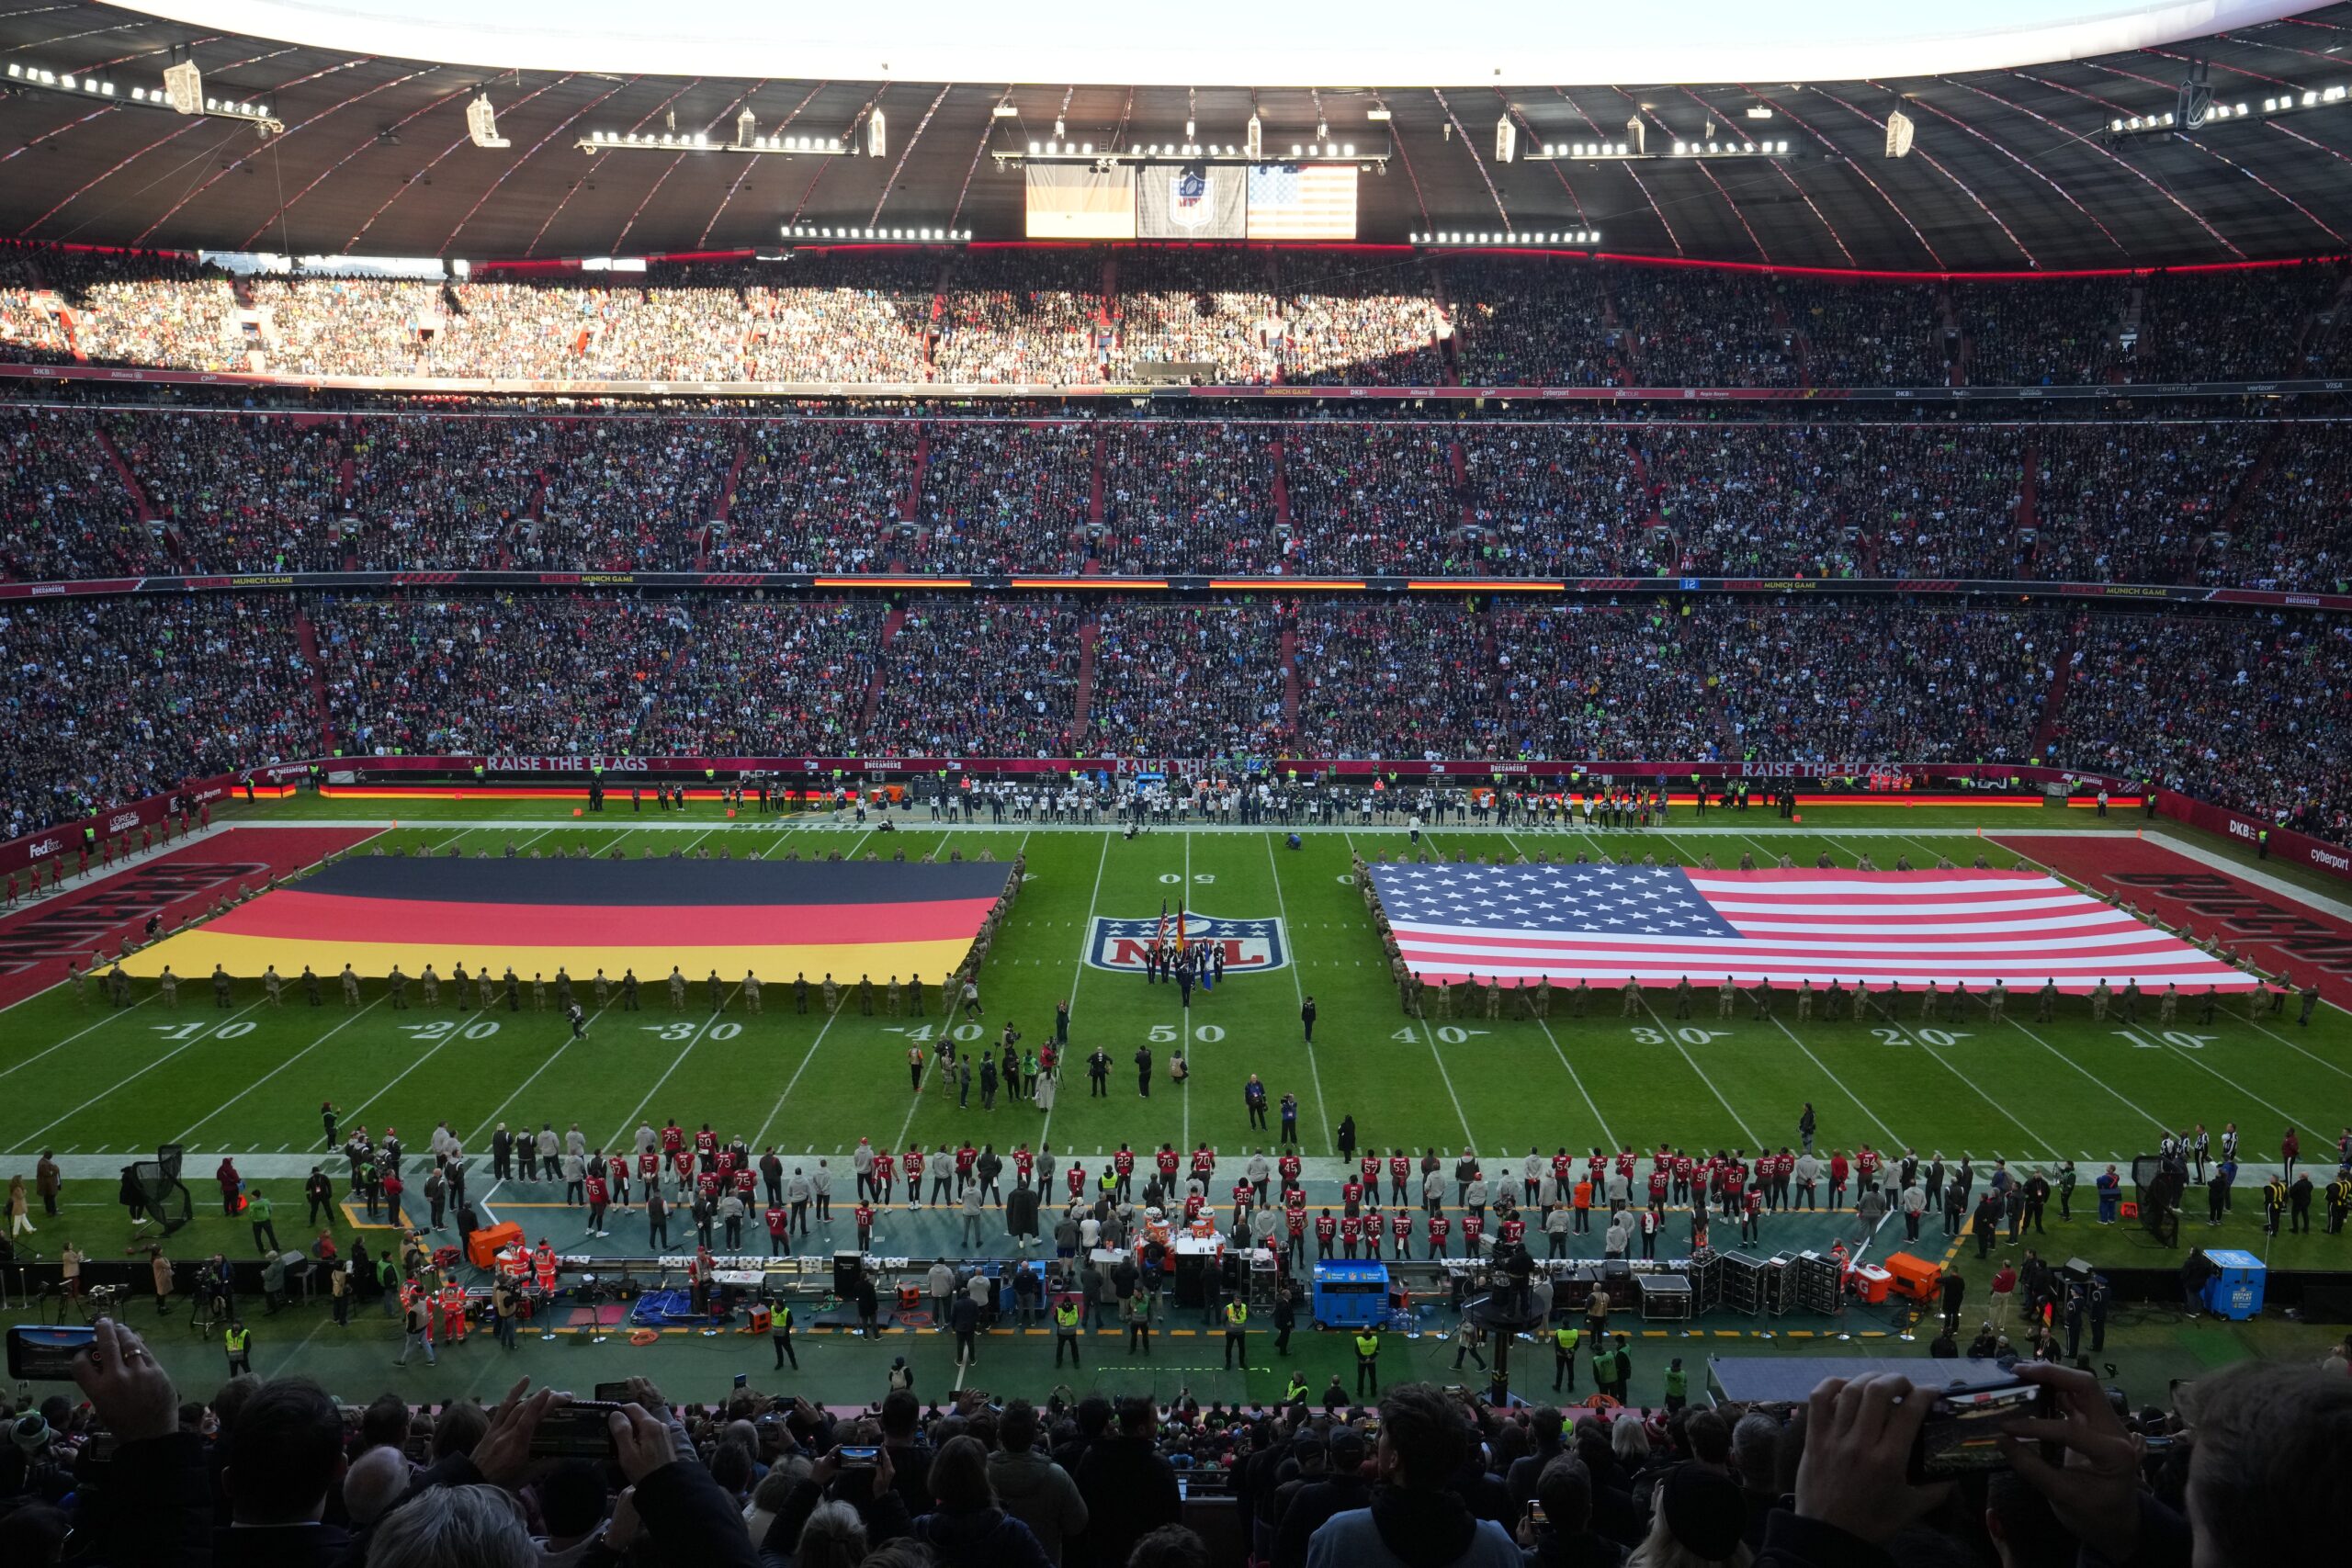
x=1833 y=1077
x=281 y=1066
x=2266 y=1028
x=488 y=1120
x=2156 y=1121
x=112 y=1013
x=1298 y=987
x=212 y=1034
x=1665 y=1030
x=1471 y=1138
x=695 y=1039
x=1085 y=935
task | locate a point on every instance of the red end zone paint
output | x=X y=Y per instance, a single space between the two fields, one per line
x=2270 y=929
x=35 y=939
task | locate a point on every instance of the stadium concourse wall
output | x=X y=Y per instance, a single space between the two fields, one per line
x=522 y=387
x=908 y=582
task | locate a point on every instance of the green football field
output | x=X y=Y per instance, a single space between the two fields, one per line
x=84 y=1079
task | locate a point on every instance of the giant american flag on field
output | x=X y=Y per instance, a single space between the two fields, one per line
x=1661 y=924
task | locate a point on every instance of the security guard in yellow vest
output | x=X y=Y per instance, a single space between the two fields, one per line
x=1367 y=1362
x=1236 y=1333
x=1066 y=1315
x=1295 y=1392
x=239 y=1341
x=1563 y=1356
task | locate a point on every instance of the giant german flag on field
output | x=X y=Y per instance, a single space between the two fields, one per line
x=774 y=919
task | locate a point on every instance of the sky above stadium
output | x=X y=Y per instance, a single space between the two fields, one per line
x=1389 y=43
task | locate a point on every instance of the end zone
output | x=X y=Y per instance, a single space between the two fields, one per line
x=2273 y=929
x=106 y=911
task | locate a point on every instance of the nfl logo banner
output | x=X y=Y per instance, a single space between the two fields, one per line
x=1251 y=947
x=1191 y=202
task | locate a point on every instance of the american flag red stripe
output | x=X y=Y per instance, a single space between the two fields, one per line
x=1604 y=924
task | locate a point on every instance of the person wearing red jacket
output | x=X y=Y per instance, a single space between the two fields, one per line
x=616 y=1176
x=1076 y=1177
x=1400 y=1227
x=1023 y=1162
x=1297 y=1236
x=864 y=1214
x=1440 y=1227
x=1751 y=1215
x=1350 y=1235
x=1368 y=1168
x=885 y=1175
x=1352 y=1196
x=1563 y=1175
x=649 y=1171
x=1400 y=1175
x=966 y=1158
x=1123 y=1166
x=1659 y=1178
x=1327 y=1230
x=1288 y=1167
x=1653 y=1221
x=1167 y=1160
x=1839 y=1171
x=779 y=1220
x=673 y=1137
x=1474 y=1227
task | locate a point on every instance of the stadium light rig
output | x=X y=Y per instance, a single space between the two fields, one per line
x=745 y=141
x=1635 y=153
x=182 y=93
x=1517 y=239
x=2269 y=105
x=851 y=234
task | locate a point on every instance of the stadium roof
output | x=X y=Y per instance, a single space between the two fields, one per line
x=2013 y=168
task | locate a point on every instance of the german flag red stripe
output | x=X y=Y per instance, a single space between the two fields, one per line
x=302 y=914
x=768 y=918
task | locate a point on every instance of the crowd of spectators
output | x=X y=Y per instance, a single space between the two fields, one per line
x=570 y=675
x=1212 y=307
x=1195 y=495
x=2251 y=713
x=114 y=700
x=1373 y=498
x=748 y=678
x=1360 y=321
x=2284 y=528
x=962 y=679
x=64 y=509
x=628 y=494
x=239 y=494
x=1521 y=322
x=1003 y=496
x=1003 y=315
x=2239 y=1472
x=1561 y=500
x=818 y=495
x=442 y=492
x=1705 y=326
x=1836 y=501
x=1865 y=683
x=1185 y=681
x=118 y=698
x=2141 y=502
x=1024 y=317
x=2172 y=501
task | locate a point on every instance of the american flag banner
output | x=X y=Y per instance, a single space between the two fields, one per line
x=1662 y=924
x=1314 y=201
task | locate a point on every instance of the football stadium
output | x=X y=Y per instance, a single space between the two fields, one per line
x=1567 y=791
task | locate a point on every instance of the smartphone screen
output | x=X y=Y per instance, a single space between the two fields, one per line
x=612 y=1393
x=859 y=1458
x=1963 y=1432
x=574 y=1431
x=742 y=1380
x=44 y=1352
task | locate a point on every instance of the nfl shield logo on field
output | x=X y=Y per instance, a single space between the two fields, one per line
x=1250 y=946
